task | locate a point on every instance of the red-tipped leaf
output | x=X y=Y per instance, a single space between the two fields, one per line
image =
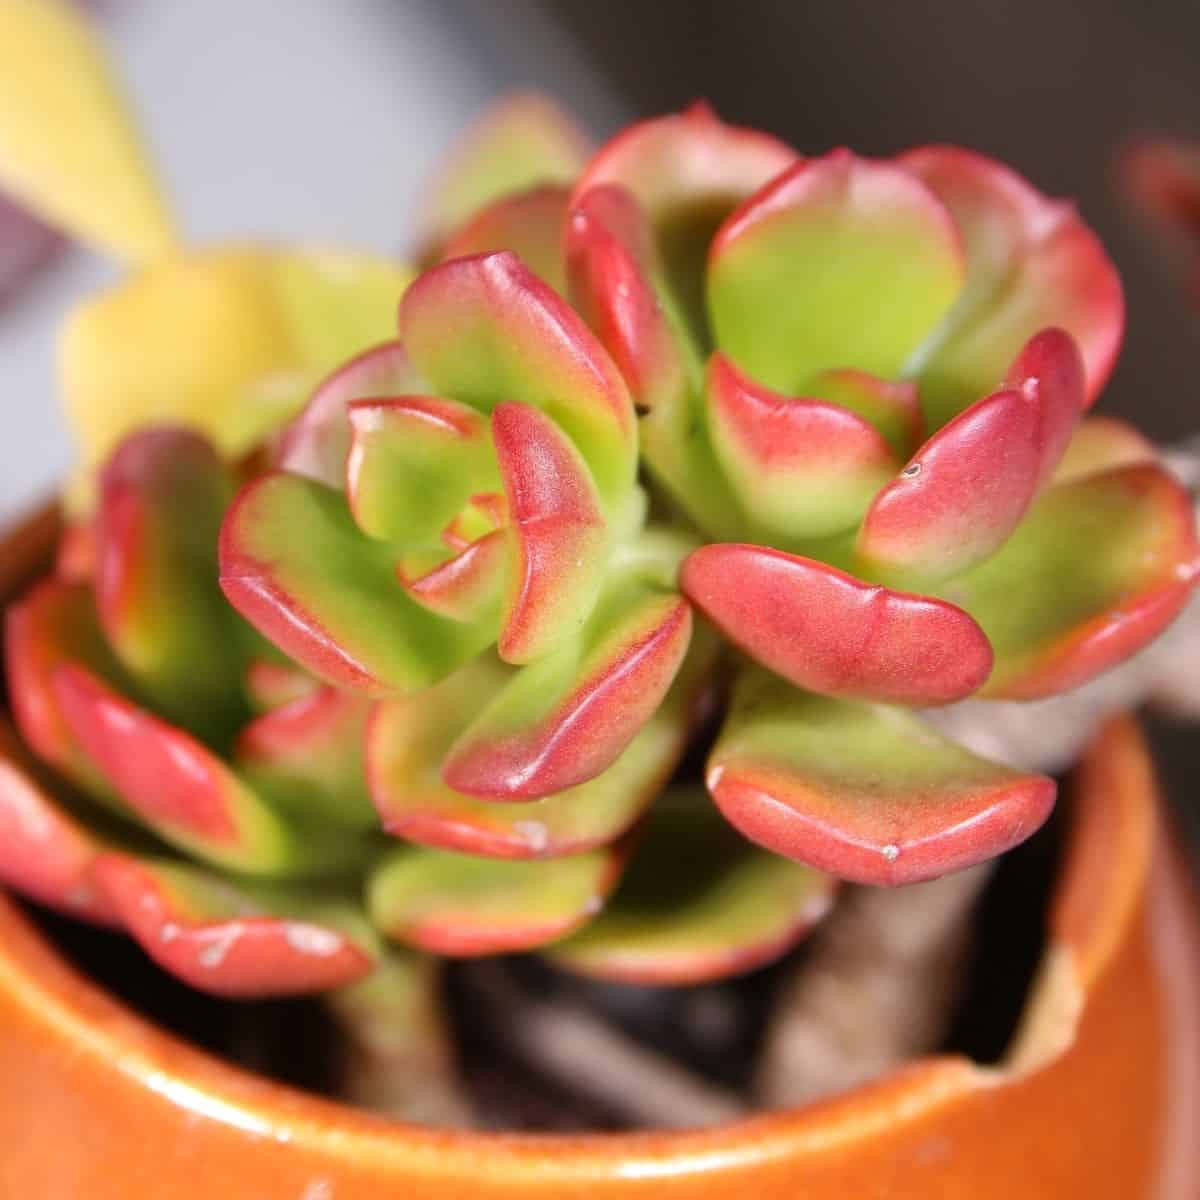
x=1031 y=263
x=221 y=938
x=828 y=632
x=485 y=330
x=801 y=468
x=558 y=535
x=696 y=903
x=566 y=718
x=865 y=793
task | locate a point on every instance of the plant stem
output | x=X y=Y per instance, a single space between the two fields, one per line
x=570 y=1044
x=878 y=988
x=398 y=1056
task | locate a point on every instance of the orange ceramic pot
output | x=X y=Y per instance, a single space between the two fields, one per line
x=1099 y=1100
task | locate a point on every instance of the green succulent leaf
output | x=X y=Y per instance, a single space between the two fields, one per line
x=317 y=442
x=530 y=224
x=801 y=468
x=48 y=854
x=409 y=738
x=306 y=758
x=1031 y=263
x=412 y=464
x=865 y=792
x=564 y=719
x=236 y=938
x=523 y=141
x=334 y=303
x=826 y=631
x=185 y=793
x=163 y=494
x=225 y=341
x=1103 y=443
x=890 y=406
x=331 y=598
x=1100 y=566
x=52 y=625
x=696 y=903
x=686 y=171
x=485 y=330
x=462 y=906
x=967 y=488
x=839 y=262
x=557 y=533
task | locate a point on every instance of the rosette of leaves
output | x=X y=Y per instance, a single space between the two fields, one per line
x=865 y=383
x=476 y=559
x=262 y=832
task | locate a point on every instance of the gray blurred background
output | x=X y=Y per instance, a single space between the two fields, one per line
x=321 y=118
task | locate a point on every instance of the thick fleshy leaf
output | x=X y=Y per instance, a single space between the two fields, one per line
x=235 y=939
x=1049 y=372
x=468 y=587
x=330 y=598
x=1103 y=443
x=828 y=632
x=162 y=497
x=317 y=442
x=1099 y=567
x=409 y=738
x=26 y=245
x=213 y=339
x=54 y=623
x=687 y=160
x=44 y=853
x=485 y=330
x=610 y=267
x=530 y=224
x=68 y=148
x=557 y=533
x=892 y=406
x=959 y=498
x=802 y=468
x=271 y=684
x=964 y=492
x=460 y=905
x=307 y=757
x=866 y=793
x=1031 y=263
x=567 y=717
x=413 y=462
x=183 y=791
x=840 y=262
x=697 y=903
x=523 y=141
x=687 y=171
x=335 y=302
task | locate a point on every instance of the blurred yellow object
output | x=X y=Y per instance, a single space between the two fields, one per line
x=69 y=149
x=228 y=341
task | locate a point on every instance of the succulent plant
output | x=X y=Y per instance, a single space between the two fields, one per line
x=690 y=434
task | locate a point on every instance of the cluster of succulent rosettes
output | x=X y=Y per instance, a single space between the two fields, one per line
x=261 y=831
x=864 y=380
